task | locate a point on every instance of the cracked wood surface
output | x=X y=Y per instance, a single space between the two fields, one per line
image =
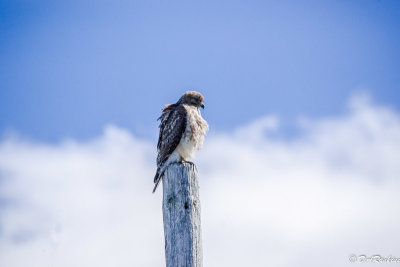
x=181 y=214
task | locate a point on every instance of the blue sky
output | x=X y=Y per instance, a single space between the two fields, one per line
x=69 y=68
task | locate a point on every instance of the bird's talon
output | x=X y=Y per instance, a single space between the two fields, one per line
x=186 y=161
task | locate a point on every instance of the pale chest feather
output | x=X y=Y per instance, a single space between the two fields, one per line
x=196 y=127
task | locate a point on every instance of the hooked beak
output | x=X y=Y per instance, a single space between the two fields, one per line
x=202 y=106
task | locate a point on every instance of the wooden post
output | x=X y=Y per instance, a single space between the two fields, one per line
x=181 y=213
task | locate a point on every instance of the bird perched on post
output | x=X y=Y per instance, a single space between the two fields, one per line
x=182 y=131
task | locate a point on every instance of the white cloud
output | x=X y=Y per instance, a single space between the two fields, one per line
x=310 y=201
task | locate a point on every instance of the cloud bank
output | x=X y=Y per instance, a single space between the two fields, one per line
x=308 y=201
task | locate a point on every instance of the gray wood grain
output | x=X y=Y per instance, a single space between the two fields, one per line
x=181 y=214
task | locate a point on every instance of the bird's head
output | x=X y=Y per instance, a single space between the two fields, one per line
x=192 y=98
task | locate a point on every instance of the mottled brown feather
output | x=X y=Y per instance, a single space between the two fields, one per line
x=172 y=127
x=163 y=121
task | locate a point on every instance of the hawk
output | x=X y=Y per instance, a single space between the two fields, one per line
x=182 y=131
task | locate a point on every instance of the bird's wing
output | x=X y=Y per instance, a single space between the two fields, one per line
x=172 y=127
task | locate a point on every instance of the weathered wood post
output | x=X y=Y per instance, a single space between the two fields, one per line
x=181 y=213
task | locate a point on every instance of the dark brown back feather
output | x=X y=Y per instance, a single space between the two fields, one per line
x=172 y=127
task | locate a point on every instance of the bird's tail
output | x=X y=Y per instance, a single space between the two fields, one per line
x=157 y=178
